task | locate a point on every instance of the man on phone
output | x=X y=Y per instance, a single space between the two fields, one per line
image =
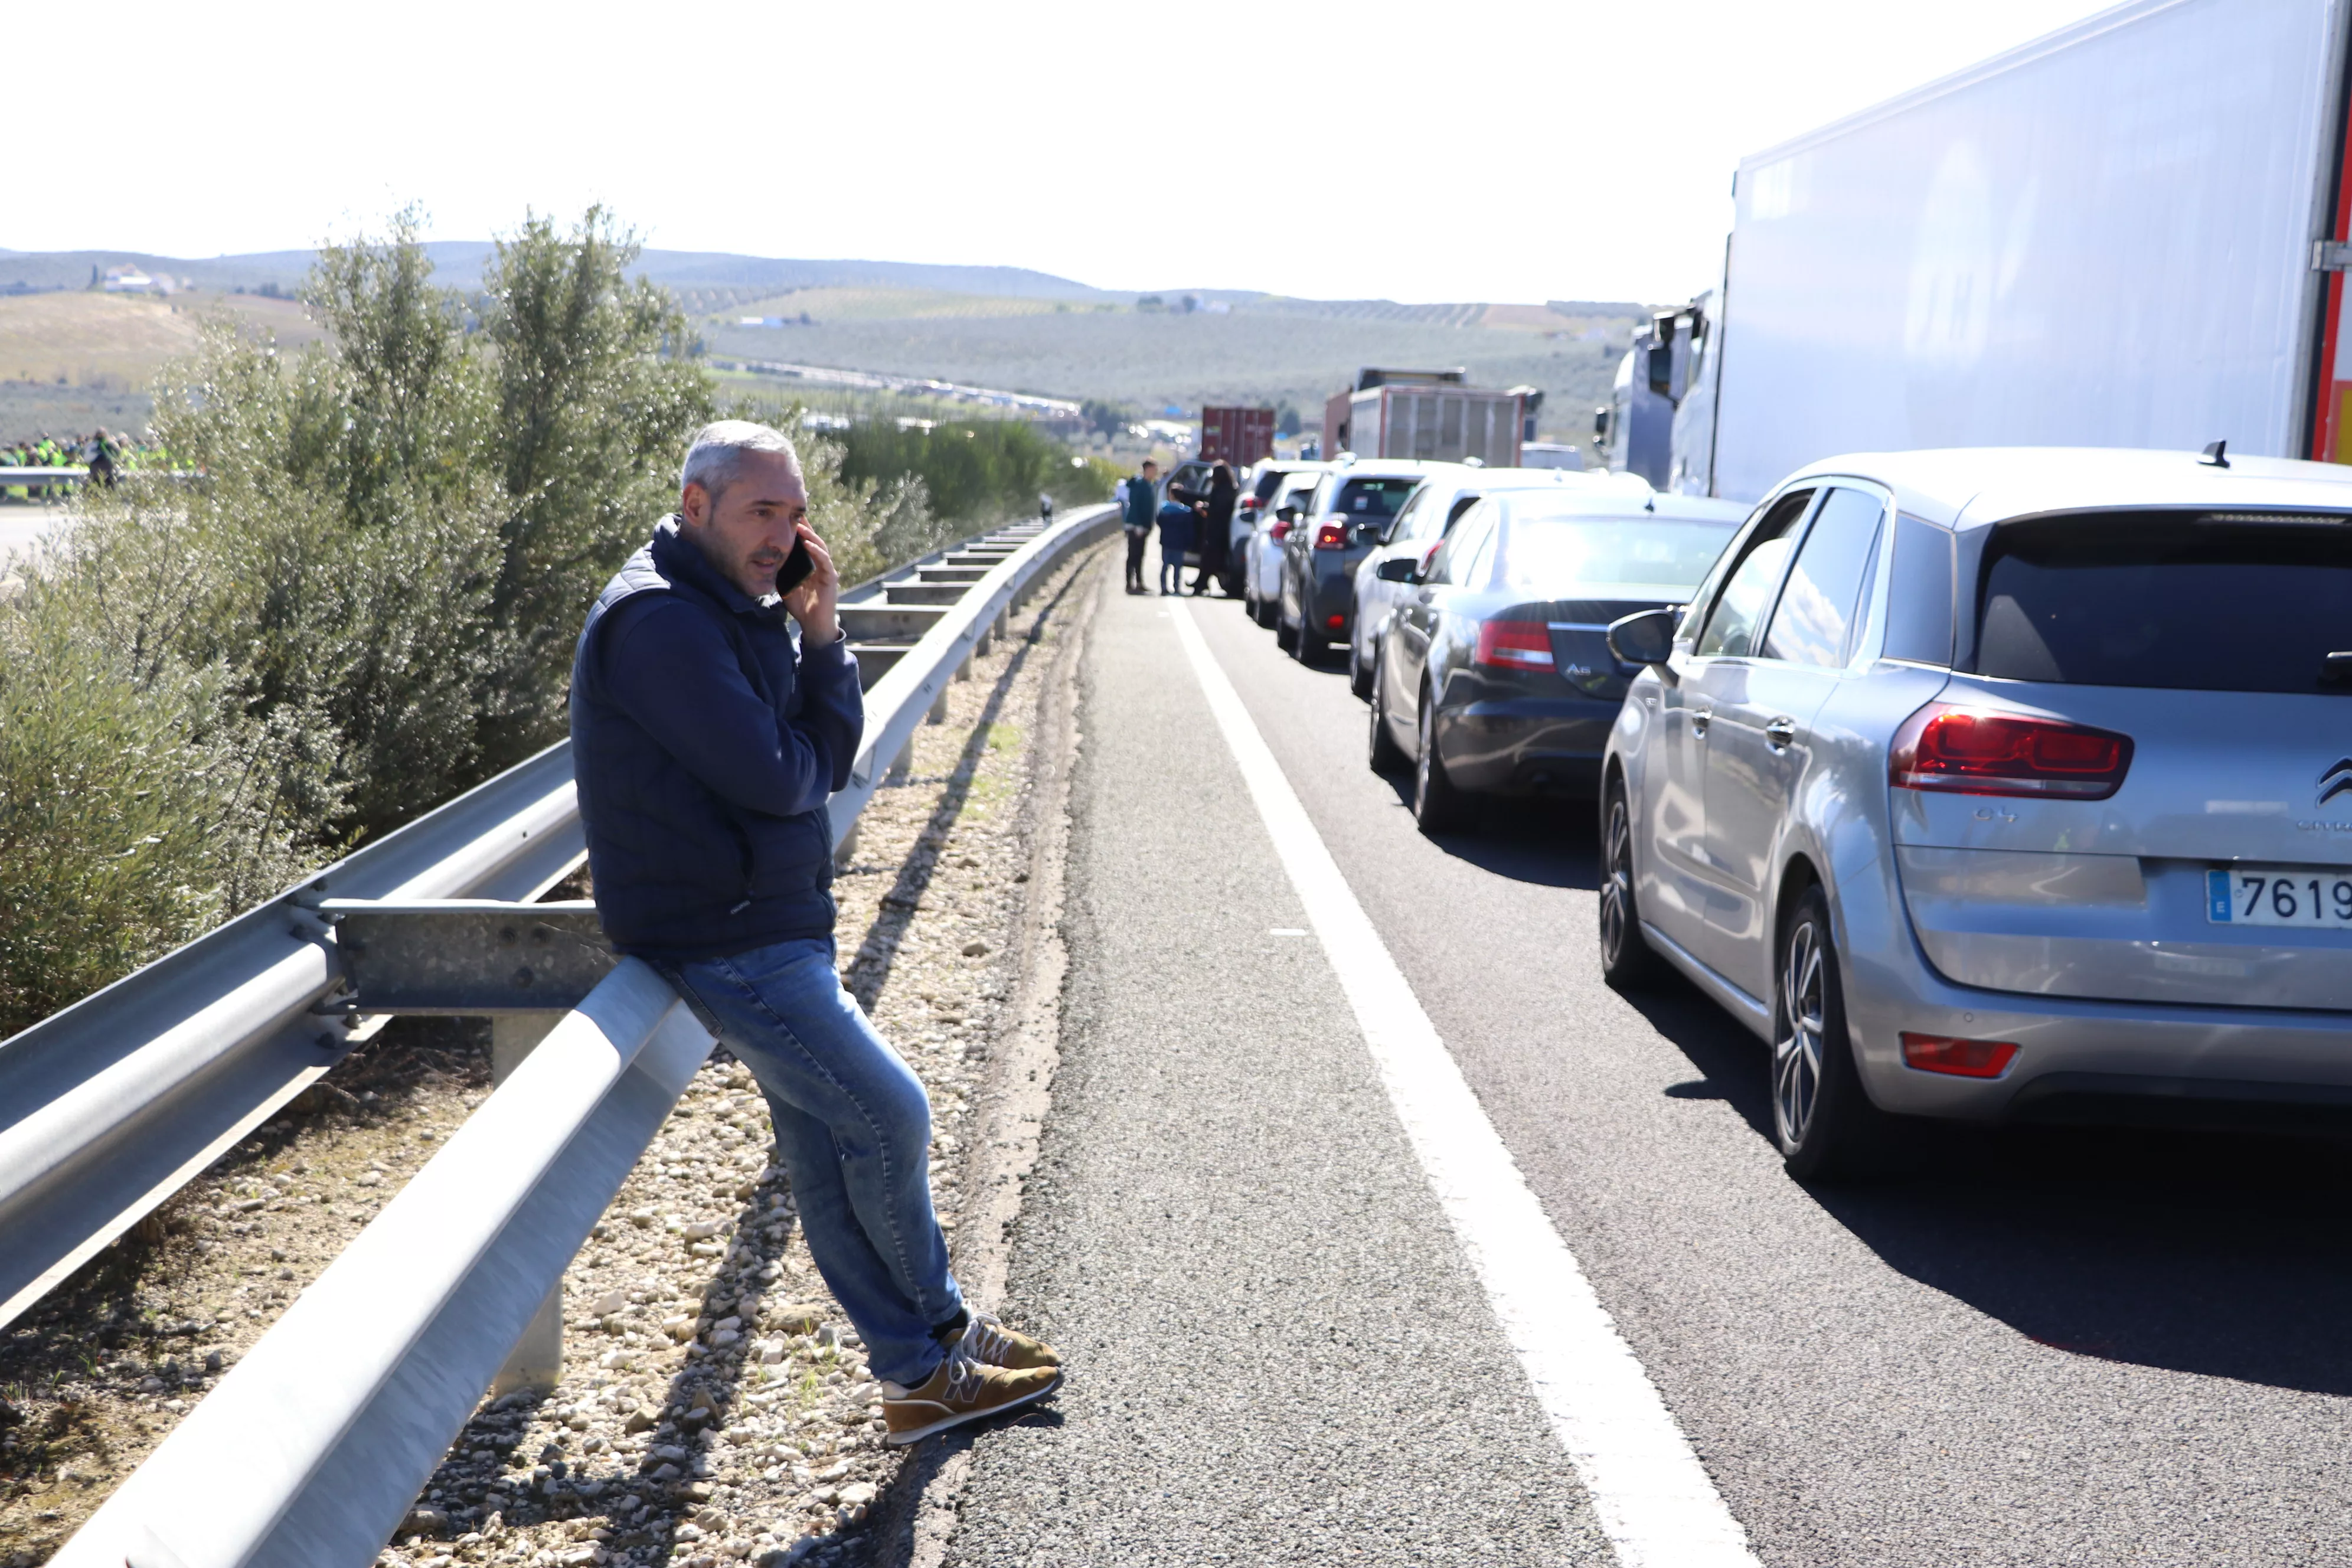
x=706 y=739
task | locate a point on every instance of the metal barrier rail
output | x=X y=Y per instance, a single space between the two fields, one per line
x=310 y=1452
x=12 y=478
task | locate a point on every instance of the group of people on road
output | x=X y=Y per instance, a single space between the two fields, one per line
x=1191 y=523
x=107 y=456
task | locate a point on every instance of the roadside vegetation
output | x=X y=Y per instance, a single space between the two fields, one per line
x=368 y=603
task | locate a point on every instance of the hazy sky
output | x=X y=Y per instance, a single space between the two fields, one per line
x=1449 y=150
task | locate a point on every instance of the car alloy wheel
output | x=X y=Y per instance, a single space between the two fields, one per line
x=1384 y=755
x=1822 y=1118
x=1436 y=805
x=1627 y=962
x=1797 y=1054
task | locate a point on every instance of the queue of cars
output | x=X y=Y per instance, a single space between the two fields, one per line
x=1980 y=784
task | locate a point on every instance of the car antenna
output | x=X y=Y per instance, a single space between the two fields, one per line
x=2216 y=455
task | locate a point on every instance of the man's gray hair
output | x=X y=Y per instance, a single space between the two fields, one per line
x=716 y=456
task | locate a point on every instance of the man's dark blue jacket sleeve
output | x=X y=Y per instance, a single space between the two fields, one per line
x=672 y=670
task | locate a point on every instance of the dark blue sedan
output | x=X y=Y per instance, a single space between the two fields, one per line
x=1493 y=676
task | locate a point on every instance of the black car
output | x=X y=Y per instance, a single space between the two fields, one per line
x=1352 y=506
x=1496 y=678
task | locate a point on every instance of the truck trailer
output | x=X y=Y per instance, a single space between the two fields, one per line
x=1239 y=436
x=2131 y=232
x=1428 y=414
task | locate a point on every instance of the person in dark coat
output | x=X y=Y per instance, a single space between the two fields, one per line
x=1140 y=504
x=715 y=709
x=1217 y=526
x=1179 y=528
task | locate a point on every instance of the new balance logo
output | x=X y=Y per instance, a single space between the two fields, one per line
x=2336 y=781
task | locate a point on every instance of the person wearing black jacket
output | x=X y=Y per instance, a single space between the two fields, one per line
x=1216 y=530
x=706 y=740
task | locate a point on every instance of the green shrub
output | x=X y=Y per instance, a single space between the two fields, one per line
x=978 y=472
x=369 y=601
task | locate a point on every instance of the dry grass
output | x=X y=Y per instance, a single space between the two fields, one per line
x=117 y=341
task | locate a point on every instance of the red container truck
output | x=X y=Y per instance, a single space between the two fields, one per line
x=1240 y=436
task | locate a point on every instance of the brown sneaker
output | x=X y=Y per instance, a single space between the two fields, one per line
x=961 y=1390
x=987 y=1339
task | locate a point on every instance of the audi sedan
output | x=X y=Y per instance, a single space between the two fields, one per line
x=2003 y=785
x=1492 y=674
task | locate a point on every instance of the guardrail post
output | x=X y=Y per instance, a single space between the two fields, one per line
x=938 y=713
x=537 y=1359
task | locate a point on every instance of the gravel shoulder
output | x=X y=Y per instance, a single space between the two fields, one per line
x=715 y=1406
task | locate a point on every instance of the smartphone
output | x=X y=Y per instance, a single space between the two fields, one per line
x=796 y=567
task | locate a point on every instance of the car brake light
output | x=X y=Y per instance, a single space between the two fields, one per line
x=1330 y=536
x=1335 y=622
x=1976 y=751
x=1280 y=531
x=1960 y=1059
x=1514 y=645
x=1251 y=503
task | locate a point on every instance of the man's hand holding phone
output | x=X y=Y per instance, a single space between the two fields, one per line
x=812 y=588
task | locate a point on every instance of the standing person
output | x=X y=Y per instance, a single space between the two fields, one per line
x=705 y=744
x=102 y=457
x=1179 y=527
x=1216 y=525
x=1143 y=507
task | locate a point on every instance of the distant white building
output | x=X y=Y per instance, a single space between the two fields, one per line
x=132 y=281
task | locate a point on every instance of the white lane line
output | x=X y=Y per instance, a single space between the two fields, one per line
x=1653 y=1499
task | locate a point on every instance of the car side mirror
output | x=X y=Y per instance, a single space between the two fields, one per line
x=1645 y=637
x=1287 y=514
x=1398 y=569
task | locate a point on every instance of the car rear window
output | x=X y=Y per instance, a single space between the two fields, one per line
x=2225 y=602
x=1369 y=498
x=1647 y=557
x=1268 y=483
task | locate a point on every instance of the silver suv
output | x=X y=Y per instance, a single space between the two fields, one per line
x=2003 y=785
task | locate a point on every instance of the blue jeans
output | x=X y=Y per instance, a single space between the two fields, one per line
x=854 y=1133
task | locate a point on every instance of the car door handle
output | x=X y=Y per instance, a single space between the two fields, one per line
x=1699 y=718
x=1779 y=733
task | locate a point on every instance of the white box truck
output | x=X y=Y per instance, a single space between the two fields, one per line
x=2129 y=233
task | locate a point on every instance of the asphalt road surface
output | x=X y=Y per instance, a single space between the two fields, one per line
x=2098 y=1347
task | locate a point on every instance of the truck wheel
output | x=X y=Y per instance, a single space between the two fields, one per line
x=1821 y=1116
x=1627 y=962
x=1437 y=806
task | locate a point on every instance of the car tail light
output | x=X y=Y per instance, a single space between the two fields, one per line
x=1252 y=503
x=1514 y=645
x=1335 y=622
x=1280 y=531
x=1960 y=1059
x=1976 y=751
x=1331 y=536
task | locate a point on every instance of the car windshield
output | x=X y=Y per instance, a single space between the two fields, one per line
x=2232 y=602
x=1373 y=499
x=1640 y=557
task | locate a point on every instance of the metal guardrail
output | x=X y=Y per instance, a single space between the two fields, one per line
x=12 y=478
x=308 y=1452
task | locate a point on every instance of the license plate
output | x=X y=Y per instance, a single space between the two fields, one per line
x=2316 y=897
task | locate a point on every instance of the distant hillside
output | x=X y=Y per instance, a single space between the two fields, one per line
x=458 y=263
x=989 y=326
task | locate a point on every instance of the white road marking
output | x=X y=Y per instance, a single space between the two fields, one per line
x=1653 y=1499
